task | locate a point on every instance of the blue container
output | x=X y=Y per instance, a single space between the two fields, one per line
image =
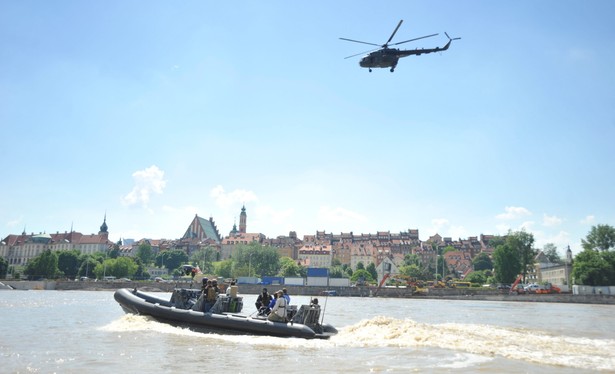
x=317 y=272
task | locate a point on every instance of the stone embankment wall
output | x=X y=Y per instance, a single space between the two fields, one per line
x=433 y=293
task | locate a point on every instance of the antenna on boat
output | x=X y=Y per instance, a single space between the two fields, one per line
x=322 y=317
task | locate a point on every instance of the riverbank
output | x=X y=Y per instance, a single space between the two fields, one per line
x=433 y=293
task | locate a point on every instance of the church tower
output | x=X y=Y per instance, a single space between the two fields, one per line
x=242 y=220
x=103 y=227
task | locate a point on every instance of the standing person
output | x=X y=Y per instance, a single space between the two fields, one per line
x=262 y=302
x=286 y=296
x=278 y=313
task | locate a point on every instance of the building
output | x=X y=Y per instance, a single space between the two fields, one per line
x=316 y=256
x=558 y=274
x=19 y=249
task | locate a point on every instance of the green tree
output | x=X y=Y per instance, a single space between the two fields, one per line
x=4 y=267
x=371 y=268
x=591 y=269
x=506 y=263
x=88 y=264
x=121 y=267
x=224 y=268
x=290 y=268
x=348 y=269
x=145 y=253
x=482 y=261
x=205 y=258
x=412 y=270
x=69 y=262
x=600 y=238
x=114 y=252
x=478 y=277
x=44 y=265
x=609 y=258
x=361 y=275
x=448 y=248
x=172 y=259
x=141 y=272
x=260 y=260
x=360 y=265
x=522 y=243
x=412 y=259
x=550 y=252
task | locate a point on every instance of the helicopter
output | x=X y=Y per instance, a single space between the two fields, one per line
x=385 y=57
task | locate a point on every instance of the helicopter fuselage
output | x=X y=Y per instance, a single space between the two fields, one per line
x=388 y=57
x=384 y=58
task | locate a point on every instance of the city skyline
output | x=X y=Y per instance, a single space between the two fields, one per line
x=154 y=113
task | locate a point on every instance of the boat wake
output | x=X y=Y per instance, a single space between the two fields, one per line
x=384 y=332
x=140 y=323
x=517 y=344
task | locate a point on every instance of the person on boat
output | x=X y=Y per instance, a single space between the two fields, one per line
x=214 y=284
x=272 y=302
x=278 y=312
x=228 y=289
x=286 y=295
x=262 y=302
x=210 y=297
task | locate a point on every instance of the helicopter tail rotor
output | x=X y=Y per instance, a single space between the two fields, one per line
x=449 y=38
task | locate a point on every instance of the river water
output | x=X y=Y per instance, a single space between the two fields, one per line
x=87 y=332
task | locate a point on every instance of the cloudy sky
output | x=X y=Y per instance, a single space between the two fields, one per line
x=152 y=112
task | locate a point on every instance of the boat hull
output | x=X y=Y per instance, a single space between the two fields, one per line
x=136 y=302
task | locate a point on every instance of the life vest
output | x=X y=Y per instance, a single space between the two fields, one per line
x=211 y=294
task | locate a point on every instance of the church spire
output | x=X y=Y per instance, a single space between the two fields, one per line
x=242 y=220
x=103 y=227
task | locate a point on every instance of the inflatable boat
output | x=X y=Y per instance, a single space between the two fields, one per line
x=224 y=316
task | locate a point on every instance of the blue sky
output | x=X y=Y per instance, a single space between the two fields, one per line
x=152 y=112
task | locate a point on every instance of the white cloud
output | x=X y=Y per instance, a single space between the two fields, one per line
x=457 y=232
x=560 y=239
x=513 y=212
x=550 y=221
x=226 y=199
x=278 y=217
x=439 y=222
x=327 y=214
x=148 y=181
x=588 y=220
x=527 y=226
x=15 y=222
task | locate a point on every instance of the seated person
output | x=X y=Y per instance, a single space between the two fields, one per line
x=278 y=312
x=262 y=302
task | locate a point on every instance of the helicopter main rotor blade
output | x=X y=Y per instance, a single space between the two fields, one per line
x=393 y=34
x=362 y=53
x=358 y=41
x=411 y=40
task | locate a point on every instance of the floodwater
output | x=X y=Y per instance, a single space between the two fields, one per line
x=87 y=332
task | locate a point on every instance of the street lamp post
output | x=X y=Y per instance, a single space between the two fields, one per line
x=250 y=265
x=105 y=267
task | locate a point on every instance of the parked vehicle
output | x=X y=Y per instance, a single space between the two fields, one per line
x=549 y=288
x=532 y=288
x=520 y=289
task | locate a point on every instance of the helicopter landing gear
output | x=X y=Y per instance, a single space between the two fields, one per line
x=370 y=70
x=392 y=70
